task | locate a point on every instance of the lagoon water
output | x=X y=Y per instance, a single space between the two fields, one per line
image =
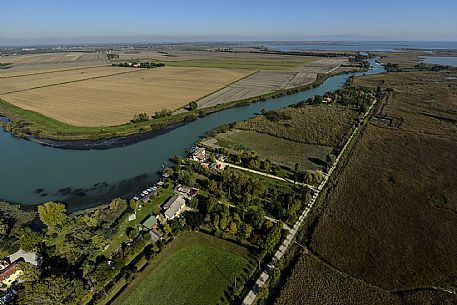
x=31 y=173
x=441 y=60
x=380 y=46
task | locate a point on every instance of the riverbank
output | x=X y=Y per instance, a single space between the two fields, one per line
x=47 y=131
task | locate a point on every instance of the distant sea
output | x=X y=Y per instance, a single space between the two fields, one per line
x=441 y=60
x=384 y=46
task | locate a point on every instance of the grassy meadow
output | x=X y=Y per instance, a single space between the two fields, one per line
x=183 y=271
x=319 y=125
x=278 y=150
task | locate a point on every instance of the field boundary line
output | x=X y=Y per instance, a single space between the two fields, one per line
x=56 y=71
x=226 y=86
x=70 y=82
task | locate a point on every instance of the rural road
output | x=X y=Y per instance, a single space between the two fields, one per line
x=263 y=278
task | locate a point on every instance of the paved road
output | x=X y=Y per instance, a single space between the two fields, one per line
x=268 y=175
x=263 y=278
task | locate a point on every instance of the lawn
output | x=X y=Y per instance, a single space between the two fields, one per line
x=183 y=271
x=278 y=150
x=152 y=207
x=244 y=63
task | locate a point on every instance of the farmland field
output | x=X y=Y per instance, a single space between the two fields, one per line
x=390 y=217
x=245 y=63
x=19 y=83
x=278 y=150
x=51 y=61
x=114 y=100
x=266 y=81
x=182 y=272
x=257 y=84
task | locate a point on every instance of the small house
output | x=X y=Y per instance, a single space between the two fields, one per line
x=150 y=222
x=10 y=274
x=28 y=257
x=327 y=100
x=175 y=208
x=155 y=235
x=170 y=201
x=199 y=154
x=186 y=190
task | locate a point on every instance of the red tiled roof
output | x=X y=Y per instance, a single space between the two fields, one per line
x=8 y=271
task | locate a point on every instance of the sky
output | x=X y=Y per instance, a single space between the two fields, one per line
x=37 y=21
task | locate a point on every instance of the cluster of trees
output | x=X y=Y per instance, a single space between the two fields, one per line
x=73 y=248
x=357 y=98
x=162 y=113
x=243 y=192
x=252 y=161
x=15 y=231
x=140 y=117
x=144 y=65
x=311 y=177
x=361 y=60
x=275 y=116
x=435 y=68
x=192 y=106
x=111 y=56
x=221 y=129
x=390 y=67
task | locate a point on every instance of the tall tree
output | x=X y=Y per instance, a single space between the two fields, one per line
x=55 y=290
x=296 y=169
x=53 y=215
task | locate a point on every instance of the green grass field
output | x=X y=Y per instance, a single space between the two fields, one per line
x=243 y=63
x=278 y=150
x=194 y=269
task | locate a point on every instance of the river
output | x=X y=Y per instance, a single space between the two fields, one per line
x=31 y=173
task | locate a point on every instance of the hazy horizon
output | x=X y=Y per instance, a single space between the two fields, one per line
x=103 y=21
x=330 y=39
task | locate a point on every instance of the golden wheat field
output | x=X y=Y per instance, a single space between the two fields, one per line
x=106 y=100
x=9 y=83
